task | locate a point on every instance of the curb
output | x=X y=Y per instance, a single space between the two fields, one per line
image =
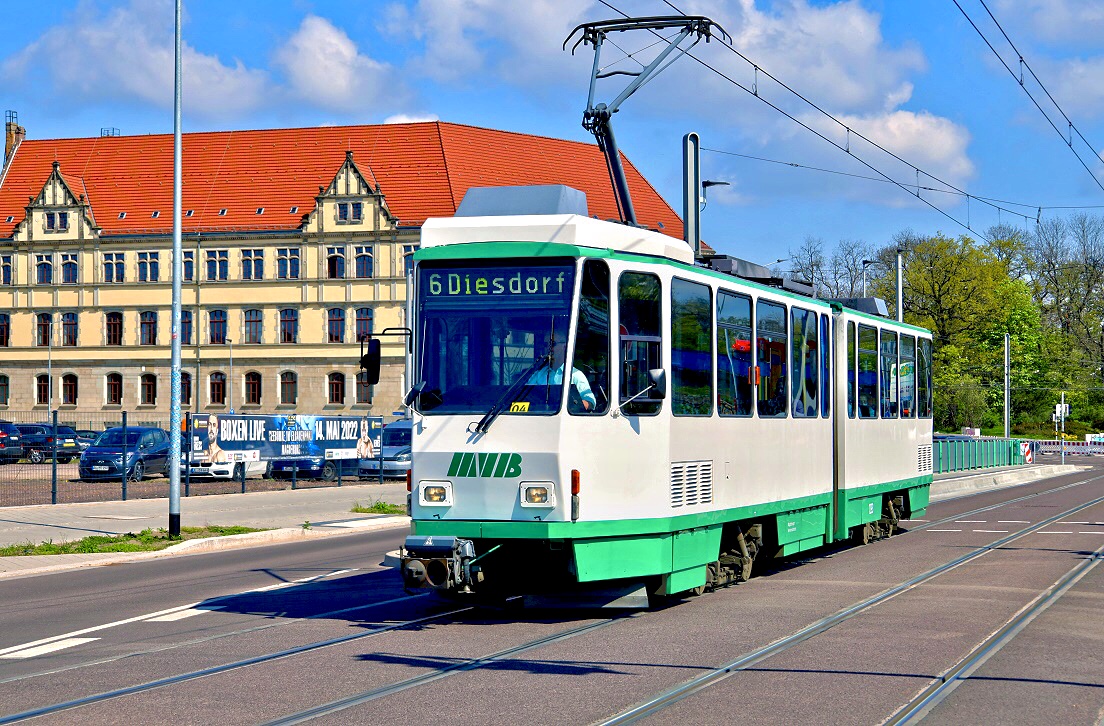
x=216 y=544
x=944 y=488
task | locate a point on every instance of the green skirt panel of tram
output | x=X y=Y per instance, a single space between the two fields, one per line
x=862 y=505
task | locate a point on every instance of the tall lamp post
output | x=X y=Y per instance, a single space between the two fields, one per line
x=865 y=264
x=231 y=381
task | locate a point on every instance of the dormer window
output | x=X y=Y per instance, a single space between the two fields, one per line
x=293 y=210
x=350 y=211
x=57 y=221
x=222 y=212
x=156 y=214
x=260 y=210
x=122 y=215
x=189 y=213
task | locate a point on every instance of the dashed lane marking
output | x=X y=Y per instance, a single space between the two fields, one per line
x=993 y=531
x=48 y=648
x=1052 y=532
x=181 y=614
x=970 y=521
x=944 y=530
x=1013 y=521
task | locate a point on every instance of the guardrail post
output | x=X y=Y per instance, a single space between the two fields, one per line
x=53 y=466
x=124 y=467
x=244 y=466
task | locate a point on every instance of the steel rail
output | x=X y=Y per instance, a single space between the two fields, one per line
x=439 y=673
x=716 y=675
x=183 y=677
x=916 y=709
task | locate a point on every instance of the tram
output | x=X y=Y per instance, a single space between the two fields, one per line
x=592 y=405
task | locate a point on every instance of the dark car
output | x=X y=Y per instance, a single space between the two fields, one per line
x=38 y=443
x=85 y=437
x=11 y=443
x=315 y=467
x=147 y=452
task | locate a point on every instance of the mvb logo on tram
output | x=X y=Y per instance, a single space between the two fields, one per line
x=498 y=466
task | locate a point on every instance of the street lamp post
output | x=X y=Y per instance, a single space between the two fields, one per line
x=231 y=381
x=865 y=264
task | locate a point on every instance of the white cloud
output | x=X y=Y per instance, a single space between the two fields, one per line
x=127 y=54
x=403 y=118
x=324 y=66
x=1054 y=21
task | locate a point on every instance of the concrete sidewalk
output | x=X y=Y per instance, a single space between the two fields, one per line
x=326 y=509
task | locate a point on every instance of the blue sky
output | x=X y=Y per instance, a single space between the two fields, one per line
x=913 y=76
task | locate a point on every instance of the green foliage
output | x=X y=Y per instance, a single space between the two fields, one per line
x=378 y=507
x=148 y=540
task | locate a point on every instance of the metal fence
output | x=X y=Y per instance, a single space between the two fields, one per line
x=56 y=480
x=980 y=453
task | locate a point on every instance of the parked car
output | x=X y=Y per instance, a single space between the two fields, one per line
x=203 y=469
x=147 y=452
x=85 y=437
x=395 y=440
x=11 y=443
x=316 y=467
x=38 y=443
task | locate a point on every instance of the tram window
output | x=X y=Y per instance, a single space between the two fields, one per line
x=691 y=349
x=803 y=347
x=924 y=378
x=638 y=298
x=908 y=376
x=850 y=370
x=735 y=372
x=770 y=351
x=825 y=367
x=889 y=374
x=868 y=372
x=592 y=338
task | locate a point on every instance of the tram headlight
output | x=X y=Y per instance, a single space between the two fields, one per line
x=538 y=494
x=435 y=494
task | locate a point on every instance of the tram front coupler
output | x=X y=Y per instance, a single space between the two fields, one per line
x=440 y=563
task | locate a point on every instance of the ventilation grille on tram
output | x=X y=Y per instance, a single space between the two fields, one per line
x=691 y=483
x=924 y=459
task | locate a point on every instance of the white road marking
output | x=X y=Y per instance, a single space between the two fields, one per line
x=1049 y=532
x=993 y=531
x=1075 y=523
x=944 y=530
x=48 y=648
x=914 y=520
x=172 y=617
x=1012 y=521
x=970 y=521
x=1098 y=532
x=147 y=616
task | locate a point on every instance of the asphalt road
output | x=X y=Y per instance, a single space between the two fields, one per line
x=377 y=655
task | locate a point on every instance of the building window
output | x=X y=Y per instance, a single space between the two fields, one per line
x=253 y=388
x=363 y=262
x=253 y=324
x=185 y=327
x=42 y=389
x=149 y=389
x=45 y=330
x=57 y=221
x=218 y=389
x=149 y=268
x=289 y=326
x=335 y=325
x=185 y=388
x=289 y=388
x=287 y=263
x=114 y=389
x=408 y=259
x=218 y=264
x=350 y=211
x=114 y=329
x=363 y=388
x=69 y=329
x=335 y=263
x=69 y=268
x=147 y=328
x=217 y=334
x=69 y=389
x=44 y=269
x=363 y=323
x=252 y=264
x=114 y=267
x=4 y=390
x=5 y=330
x=336 y=387
x=189 y=266
x=5 y=269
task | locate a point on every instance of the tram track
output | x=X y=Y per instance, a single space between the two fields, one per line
x=746 y=661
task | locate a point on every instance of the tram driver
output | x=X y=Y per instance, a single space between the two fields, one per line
x=553 y=374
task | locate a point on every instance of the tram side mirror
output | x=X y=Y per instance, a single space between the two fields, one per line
x=370 y=360
x=658 y=377
x=413 y=393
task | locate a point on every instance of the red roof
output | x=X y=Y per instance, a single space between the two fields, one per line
x=423 y=170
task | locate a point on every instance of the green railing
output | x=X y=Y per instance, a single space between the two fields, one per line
x=967 y=454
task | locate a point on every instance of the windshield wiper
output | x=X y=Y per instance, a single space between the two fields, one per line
x=496 y=409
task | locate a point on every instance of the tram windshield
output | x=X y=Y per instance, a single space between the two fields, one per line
x=483 y=327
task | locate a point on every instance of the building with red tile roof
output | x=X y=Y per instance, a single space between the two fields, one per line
x=296 y=241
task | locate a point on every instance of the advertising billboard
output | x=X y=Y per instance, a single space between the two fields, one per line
x=223 y=438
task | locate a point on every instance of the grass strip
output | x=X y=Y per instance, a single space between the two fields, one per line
x=378 y=507
x=148 y=540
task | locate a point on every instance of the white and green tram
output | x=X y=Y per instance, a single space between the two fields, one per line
x=726 y=420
